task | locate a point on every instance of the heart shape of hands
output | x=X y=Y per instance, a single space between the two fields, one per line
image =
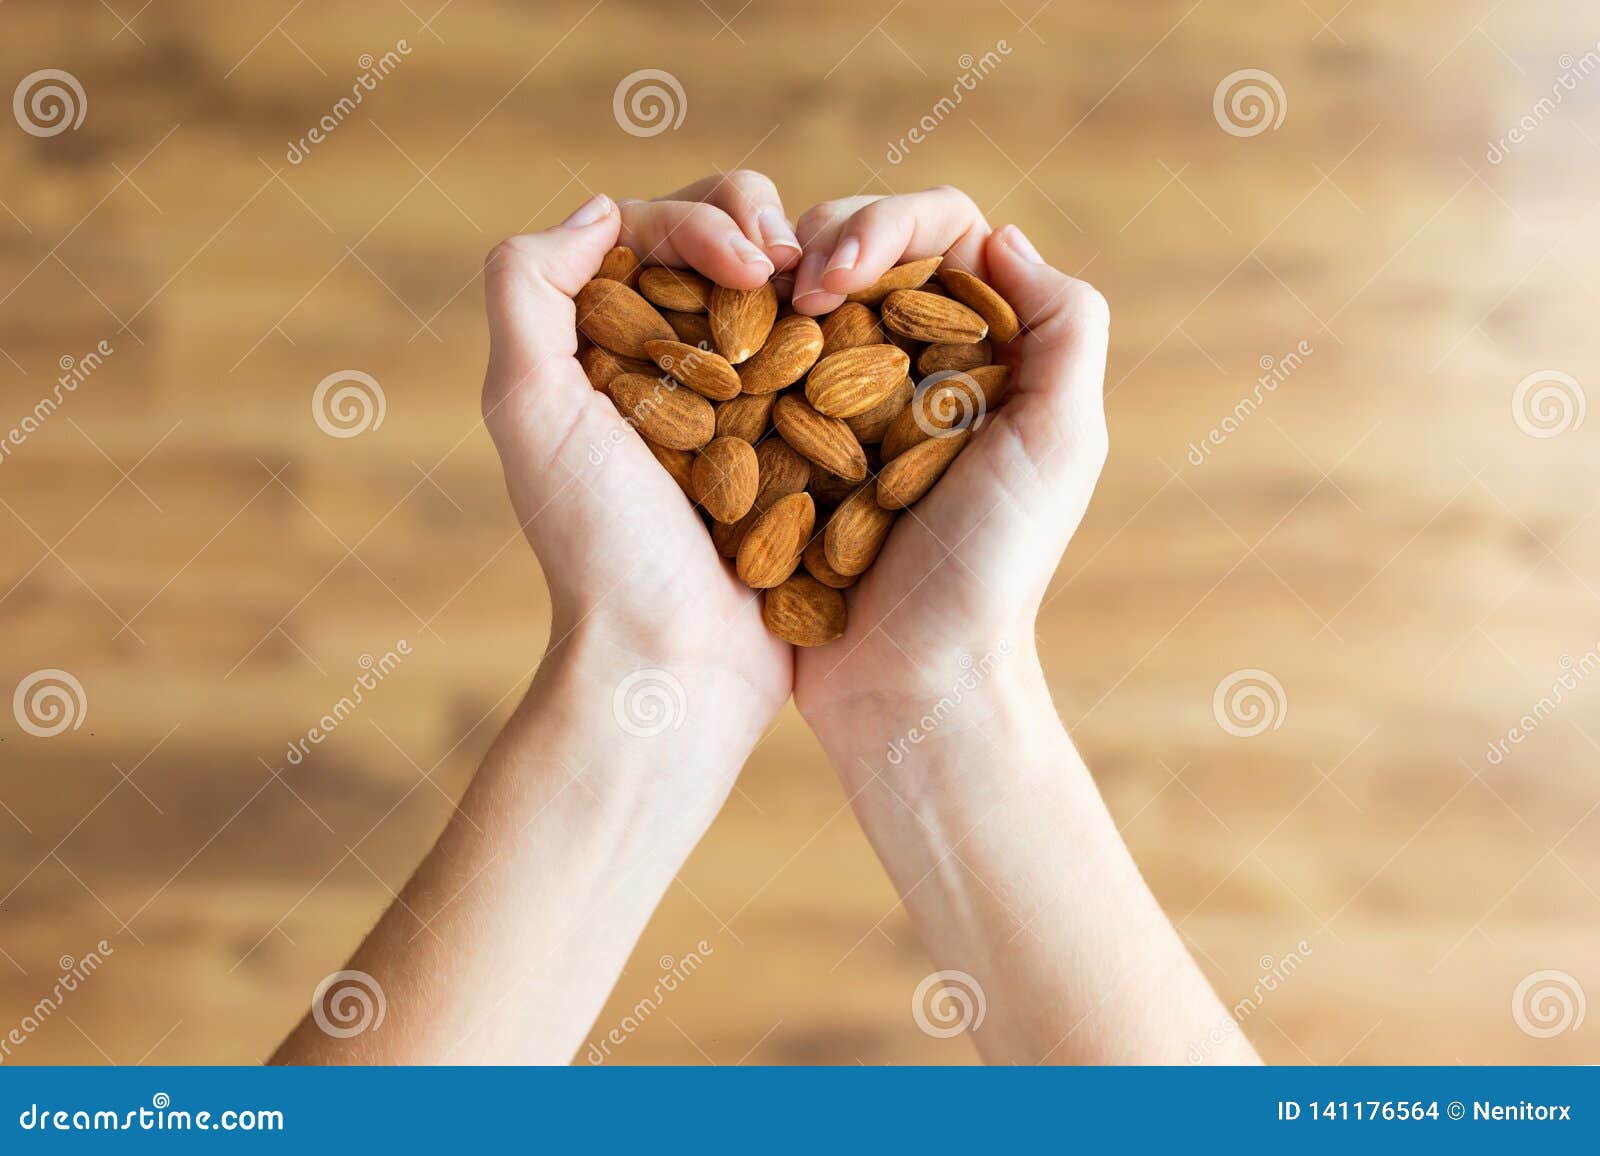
x=806 y=389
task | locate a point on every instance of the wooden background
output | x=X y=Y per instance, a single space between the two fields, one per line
x=1381 y=535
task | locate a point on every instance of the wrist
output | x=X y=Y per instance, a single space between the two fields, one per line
x=656 y=736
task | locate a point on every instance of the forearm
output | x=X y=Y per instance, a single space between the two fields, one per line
x=506 y=941
x=1014 y=872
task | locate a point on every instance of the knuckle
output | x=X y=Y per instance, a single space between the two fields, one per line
x=1087 y=306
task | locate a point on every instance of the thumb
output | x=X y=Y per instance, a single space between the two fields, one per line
x=1059 y=395
x=529 y=283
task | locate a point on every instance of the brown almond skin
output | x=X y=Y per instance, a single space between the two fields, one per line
x=621 y=264
x=912 y=474
x=771 y=549
x=600 y=366
x=747 y=416
x=815 y=560
x=803 y=611
x=707 y=373
x=869 y=427
x=691 y=328
x=741 y=319
x=848 y=326
x=679 y=289
x=981 y=298
x=852 y=381
x=678 y=463
x=945 y=399
x=669 y=415
x=614 y=316
x=928 y=317
x=782 y=472
x=821 y=439
x=856 y=532
x=907 y=276
x=725 y=477
x=791 y=350
x=940 y=357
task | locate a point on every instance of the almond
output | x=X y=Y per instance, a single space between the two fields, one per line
x=929 y=317
x=848 y=326
x=912 y=474
x=772 y=547
x=746 y=416
x=984 y=301
x=950 y=356
x=792 y=348
x=803 y=611
x=691 y=328
x=907 y=276
x=725 y=477
x=678 y=463
x=869 y=427
x=782 y=472
x=707 y=373
x=815 y=560
x=821 y=439
x=852 y=381
x=856 y=532
x=667 y=414
x=614 y=316
x=600 y=366
x=621 y=264
x=741 y=319
x=945 y=400
x=682 y=290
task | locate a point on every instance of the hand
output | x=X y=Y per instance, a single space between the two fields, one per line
x=634 y=579
x=965 y=569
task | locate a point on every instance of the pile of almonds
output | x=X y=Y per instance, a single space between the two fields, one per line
x=707 y=374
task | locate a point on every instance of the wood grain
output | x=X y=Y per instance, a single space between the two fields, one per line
x=1378 y=533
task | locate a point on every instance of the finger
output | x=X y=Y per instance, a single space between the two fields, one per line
x=529 y=283
x=818 y=228
x=752 y=200
x=893 y=230
x=697 y=236
x=1058 y=398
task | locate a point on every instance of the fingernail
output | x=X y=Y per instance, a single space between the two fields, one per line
x=749 y=254
x=845 y=256
x=808 y=277
x=776 y=232
x=589 y=212
x=1021 y=246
